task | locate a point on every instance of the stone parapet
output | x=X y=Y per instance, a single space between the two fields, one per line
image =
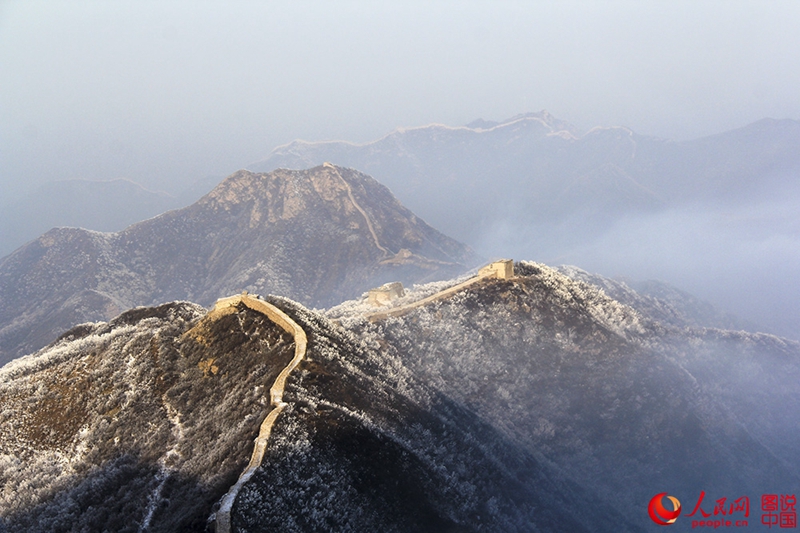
x=502 y=269
x=222 y=307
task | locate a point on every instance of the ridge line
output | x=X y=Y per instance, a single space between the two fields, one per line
x=403 y=309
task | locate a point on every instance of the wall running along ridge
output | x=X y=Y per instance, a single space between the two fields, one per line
x=360 y=209
x=222 y=307
x=498 y=269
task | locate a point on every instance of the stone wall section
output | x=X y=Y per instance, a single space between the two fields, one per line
x=502 y=269
x=222 y=307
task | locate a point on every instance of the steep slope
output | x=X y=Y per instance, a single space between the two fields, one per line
x=144 y=422
x=140 y=423
x=319 y=236
x=627 y=406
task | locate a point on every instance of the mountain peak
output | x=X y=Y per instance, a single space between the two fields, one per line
x=319 y=235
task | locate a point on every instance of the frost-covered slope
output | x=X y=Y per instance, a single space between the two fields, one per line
x=505 y=407
x=139 y=424
x=318 y=236
x=143 y=423
x=367 y=446
x=625 y=405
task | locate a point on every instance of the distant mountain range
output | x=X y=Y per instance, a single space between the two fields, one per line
x=532 y=184
x=539 y=170
x=536 y=403
x=319 y=236
x=98 y=205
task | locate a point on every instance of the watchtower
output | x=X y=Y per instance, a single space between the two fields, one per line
x=502 y=269
x=385 y=293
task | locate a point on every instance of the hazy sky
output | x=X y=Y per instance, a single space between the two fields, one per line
x=170 y=91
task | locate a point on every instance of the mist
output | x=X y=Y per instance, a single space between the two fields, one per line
x=637 y=140
x=165 y=93
x=740 y=258
x=172 y=94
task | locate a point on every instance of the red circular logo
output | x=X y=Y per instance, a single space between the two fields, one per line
x=659 y=514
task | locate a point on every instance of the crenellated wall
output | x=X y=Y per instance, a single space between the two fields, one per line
x=221 y=308
x=502 y=269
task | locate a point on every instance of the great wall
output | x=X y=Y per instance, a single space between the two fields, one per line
x=225 y=306
x=502 y=269
x=359 y=208
x=381 y=296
